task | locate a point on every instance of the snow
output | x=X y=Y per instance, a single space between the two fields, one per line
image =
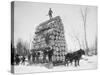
x=88 y=62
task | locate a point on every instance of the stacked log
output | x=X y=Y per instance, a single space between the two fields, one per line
x=51 y=34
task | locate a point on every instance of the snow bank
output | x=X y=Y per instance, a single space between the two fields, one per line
x=89 y=62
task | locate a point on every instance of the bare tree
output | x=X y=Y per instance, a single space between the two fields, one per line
x=77 y=39
x=76 y=36
x=22 y=48
x=84 y=18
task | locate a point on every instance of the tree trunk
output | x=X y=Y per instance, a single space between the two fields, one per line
x=84 y=16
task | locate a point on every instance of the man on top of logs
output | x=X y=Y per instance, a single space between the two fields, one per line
x=50 y=13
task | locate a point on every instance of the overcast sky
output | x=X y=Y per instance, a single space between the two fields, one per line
x=28 y=15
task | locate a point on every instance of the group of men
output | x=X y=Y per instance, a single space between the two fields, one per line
x=40 y=56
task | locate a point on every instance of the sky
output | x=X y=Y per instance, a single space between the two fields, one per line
x=28 y=15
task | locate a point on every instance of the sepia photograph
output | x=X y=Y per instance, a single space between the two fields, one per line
x=49 y=37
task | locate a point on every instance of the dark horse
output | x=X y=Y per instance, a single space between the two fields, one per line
x=17 y=59
x=75 y=56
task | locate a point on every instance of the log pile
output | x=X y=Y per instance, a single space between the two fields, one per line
x=51 y=34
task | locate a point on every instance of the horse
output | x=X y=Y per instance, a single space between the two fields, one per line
x=68 y=58
x=75 y=56
x=17 y=59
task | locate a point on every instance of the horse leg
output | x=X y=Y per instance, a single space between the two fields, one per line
x=75 y=63
x=71 y=61
x=78 y=62
x=67 y=63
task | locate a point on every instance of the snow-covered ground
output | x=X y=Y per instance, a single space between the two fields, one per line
x=89 y=62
